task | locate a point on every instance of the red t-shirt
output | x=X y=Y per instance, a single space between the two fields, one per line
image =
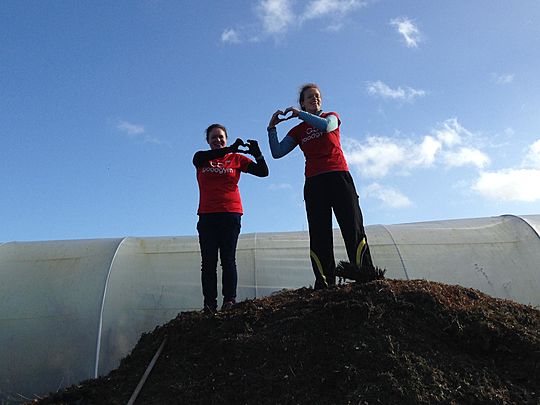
x=218 y=184
x=322 y=150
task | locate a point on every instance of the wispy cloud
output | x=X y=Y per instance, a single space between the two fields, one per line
x=505 y=78
x=449 y=145
x=280 y=186
x=130 y=129
x=466 y=156
x=408 y=30
x=532 y=158
x=381 y=89
x=389 y=196
x=136 y=132
x=230 y=35
x=276 y=17
x=332 y=8
x=513 y=184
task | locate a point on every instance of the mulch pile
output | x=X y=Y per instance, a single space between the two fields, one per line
x=381 y=342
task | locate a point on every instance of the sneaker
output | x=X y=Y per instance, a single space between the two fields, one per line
x=227 y=305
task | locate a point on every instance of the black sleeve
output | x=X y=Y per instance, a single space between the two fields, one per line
x=203 y=156
x=258 y=168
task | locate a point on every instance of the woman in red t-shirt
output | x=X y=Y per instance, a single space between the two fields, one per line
x=220 y=209
x=328 y=187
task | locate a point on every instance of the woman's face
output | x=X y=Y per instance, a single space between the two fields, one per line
x=217 y=138
x=312 y=101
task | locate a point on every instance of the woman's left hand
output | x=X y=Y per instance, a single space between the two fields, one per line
x=253 y=148
x=294 y=111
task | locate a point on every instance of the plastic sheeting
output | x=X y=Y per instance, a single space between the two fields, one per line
x=70 y=310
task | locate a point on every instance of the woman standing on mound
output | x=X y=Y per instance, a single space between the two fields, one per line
x=328 y=186
x=220 y=209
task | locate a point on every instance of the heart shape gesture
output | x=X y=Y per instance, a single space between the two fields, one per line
x=280 y=116
x=239 y=143
x=284 y=115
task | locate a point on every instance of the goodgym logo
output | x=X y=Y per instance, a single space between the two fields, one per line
x=312 y=133
x=217 y=167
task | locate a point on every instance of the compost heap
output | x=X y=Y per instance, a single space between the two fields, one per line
x=381 y=342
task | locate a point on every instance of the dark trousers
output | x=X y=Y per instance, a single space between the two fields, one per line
x=218 y=232
x=324 y=193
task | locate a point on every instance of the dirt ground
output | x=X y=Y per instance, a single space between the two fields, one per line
x=382 y=342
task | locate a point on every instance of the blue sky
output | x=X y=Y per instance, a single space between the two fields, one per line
x=102 y=105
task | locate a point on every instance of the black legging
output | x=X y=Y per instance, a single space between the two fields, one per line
x=322 y=194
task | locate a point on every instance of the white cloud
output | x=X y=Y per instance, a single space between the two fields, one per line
x=381 y=89
x=376 y=157
x=129 y=128
x=231 y=36
x=137 y=132
x=424 y=154
x=532 y=159
x=509 y=185
x=276 y=15
x=389 y=196
x=450 y=132
x=336 y=26
x=380 y=156
x=409 y=31
x=509 y=131
x=466 y=156
x=505 y=78
x=449 y=145
x=336 y=8
x=512 y=184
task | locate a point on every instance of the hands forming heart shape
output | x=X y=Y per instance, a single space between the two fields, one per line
x=244 y=148
x=250 y=146
x=283 y=115
x=239 y=143
x=280 y=116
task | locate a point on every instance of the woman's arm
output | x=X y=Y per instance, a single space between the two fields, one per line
x=258 y=168
x=327 y=124
x=279 y=149
x=203 y=156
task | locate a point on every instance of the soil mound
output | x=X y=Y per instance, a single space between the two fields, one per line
x=382 y=342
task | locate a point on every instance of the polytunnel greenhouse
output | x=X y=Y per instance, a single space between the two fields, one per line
x=72 y=309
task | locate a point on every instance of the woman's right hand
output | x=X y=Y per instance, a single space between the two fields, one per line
x=275 y=119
